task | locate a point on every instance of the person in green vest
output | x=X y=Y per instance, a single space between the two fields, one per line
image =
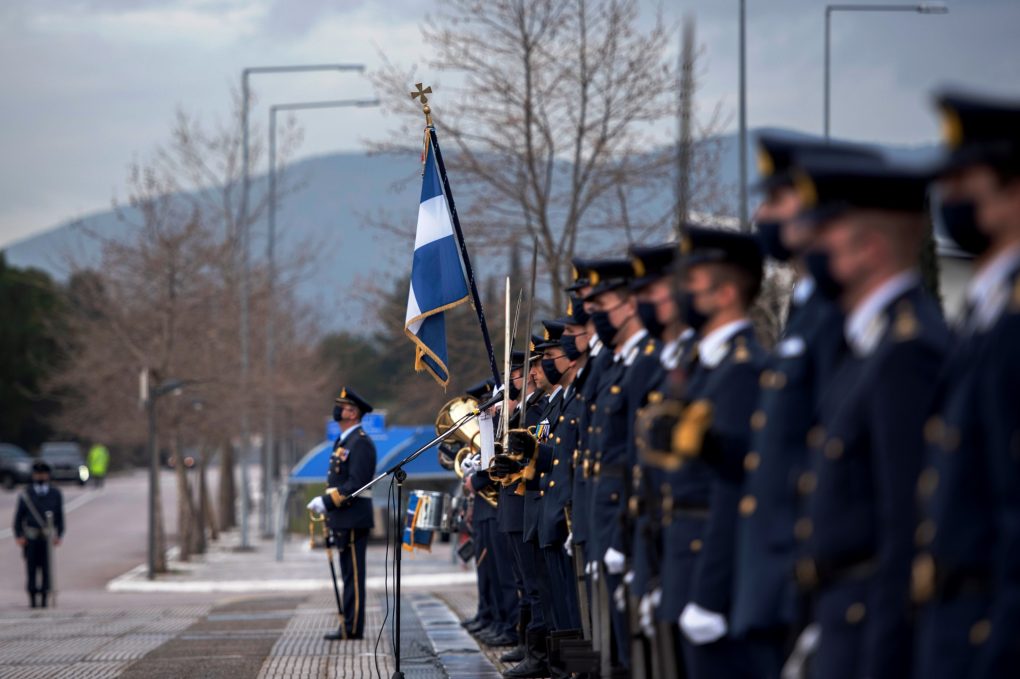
x=98 y=462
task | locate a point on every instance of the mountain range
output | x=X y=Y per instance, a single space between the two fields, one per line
x=327 y=215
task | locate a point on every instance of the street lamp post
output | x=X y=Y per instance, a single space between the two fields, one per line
x=244 y=237
x=922 y=8
x=745 y=224
x=150 y=397
x=269 y=473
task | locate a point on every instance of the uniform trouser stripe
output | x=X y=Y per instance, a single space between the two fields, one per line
x=357 y=593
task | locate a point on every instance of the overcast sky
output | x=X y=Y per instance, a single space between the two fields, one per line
x=89 y=85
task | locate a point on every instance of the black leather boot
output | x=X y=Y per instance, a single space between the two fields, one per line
x=518 y=653
x=535 y=664
x=515 y=654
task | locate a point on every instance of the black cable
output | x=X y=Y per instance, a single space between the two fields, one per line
x=386 y=579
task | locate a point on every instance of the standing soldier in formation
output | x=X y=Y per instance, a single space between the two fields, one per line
x=765 y=605
x=351 y=466
x=857 y=527
x=846 y=504
x=967 y=574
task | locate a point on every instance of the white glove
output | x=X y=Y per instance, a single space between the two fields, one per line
x=568 y=545
x=592 y=569
x=807 y=644
x=470 y=465
x=628 y=579
x=620 y=597
x=615 y=561
x=646 y=611
x=317 y=505
x=702 y=626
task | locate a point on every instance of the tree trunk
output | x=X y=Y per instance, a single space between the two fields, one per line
x=228 y=493
x=160 y=565
x=208 y=514
x=185 y=523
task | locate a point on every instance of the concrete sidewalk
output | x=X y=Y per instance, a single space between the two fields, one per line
x=262 y=619
x=226 y=569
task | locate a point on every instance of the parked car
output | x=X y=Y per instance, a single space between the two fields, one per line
x=15 y=465
x=66 y=460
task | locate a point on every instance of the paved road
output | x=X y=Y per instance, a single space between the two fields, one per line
x=106 y=533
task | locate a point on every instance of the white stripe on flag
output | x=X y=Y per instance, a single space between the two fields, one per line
x=433 y=221
x=412 y=312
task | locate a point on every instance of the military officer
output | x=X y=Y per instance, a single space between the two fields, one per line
x=497 y=597
x=39 y=522
x=765 y=598
x=350 y=520
x=966 y=574
x=857 y=530
x=589 y=377
x=567 y=360
x=553 y=467
x=722 y=276
x=636 y=355
x=654 y=286
x=532 y=652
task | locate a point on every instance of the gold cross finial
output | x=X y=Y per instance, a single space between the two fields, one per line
x=420 y=95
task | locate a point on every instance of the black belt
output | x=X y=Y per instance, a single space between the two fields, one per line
x=689 y=510
x=968 y=582
x=835 y=572
x=611 y=471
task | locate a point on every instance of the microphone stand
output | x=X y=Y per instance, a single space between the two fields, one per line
x=399 y=475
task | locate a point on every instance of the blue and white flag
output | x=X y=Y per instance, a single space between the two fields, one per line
x=437 y=276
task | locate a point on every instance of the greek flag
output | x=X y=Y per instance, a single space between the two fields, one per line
x=437 y=277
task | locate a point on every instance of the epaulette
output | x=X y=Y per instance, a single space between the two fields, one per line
x=741 y=354
x=905 y=326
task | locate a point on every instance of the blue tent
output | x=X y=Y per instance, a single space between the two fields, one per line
x=391 y=445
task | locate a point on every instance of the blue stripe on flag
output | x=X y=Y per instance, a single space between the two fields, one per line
x=430 y=185
x=437 y=276
x=432 y=334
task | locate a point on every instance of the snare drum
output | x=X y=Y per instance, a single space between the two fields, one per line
x=431 y=507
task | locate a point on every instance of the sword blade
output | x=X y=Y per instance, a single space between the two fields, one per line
x=527 y=338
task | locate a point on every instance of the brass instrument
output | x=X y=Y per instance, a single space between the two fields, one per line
x=452 y=412
x=466 y=440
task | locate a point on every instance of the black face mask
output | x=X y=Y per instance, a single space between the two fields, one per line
x=960 y=220
x=569 y=345
x=688 y=314
x=604 y=328
x=646 y=312
x=817 y=263
x=551 y=373
x=513 y=391
x=337 y=413
x=772 y=242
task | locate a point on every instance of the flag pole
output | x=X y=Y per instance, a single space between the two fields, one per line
x=476 y=300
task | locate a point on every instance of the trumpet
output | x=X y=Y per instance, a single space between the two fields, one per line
x=465 y=440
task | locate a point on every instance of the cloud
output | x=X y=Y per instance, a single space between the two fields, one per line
x=91 y=84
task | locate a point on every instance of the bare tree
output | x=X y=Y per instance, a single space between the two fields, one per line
x=165 y=299
x=557 y=123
